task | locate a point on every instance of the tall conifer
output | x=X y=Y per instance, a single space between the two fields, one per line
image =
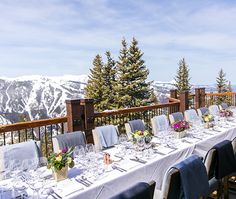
x=132 y=87
x=94 y=88
x=182 y=79
x=108 y=74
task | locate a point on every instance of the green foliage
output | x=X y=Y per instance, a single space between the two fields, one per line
x=94 y=88
x=108 y=75
x=120 y=84
x=182 y=79
x=131 y=86
x=221 y=82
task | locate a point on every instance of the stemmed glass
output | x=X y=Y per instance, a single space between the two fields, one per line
x=79 y=154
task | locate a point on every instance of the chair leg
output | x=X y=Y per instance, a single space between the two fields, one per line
x=219 y=190
x=225 y=188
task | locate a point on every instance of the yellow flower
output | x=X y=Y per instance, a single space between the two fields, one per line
x=136 y=136
x=69 y=160
x=207 y=119
x=59 y=158
x=145 y=133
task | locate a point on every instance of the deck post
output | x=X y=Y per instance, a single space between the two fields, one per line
x=74 y=115
x=197 y=98
x=184 y=103
x=202 y=97
x=88 y=118
x=173 y=93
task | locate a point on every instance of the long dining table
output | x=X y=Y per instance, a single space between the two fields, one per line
x=128 y=168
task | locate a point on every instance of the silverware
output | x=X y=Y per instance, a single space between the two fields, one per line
x=158 y=152
x=186 y=141
x=118 y=168
x=119 y=157
x=171 y=147
x=85 y=179
x=136 y=159
x=82 y=182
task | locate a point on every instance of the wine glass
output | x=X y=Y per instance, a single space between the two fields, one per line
x=140 y=143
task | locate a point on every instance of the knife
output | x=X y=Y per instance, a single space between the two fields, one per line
x=138 y=160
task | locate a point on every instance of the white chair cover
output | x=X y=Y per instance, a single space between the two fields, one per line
x=159 y=123
x=201 y=111
x=19 y=152
x=105 y=136
x=174 y=117
x=214 y=110
x=191 y=115
x=68 y=140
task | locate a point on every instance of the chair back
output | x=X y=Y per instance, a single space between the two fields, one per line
x=128 y=129
x=140 y=190
x=223 y=106
x=159 y=123
x=136 y=125
x=105 y=136
x=17 y=153
x=214 y=110
x=210 y=163
x=234 y=145
x=202 y=111
x=171 y=185
x=191 y=115
x=174 y=117
x=68 y=140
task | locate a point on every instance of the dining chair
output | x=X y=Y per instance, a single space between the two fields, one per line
x=174 y=117
x=202 y=111
x=15 y=154
x=105 y=137
x=225 y=165
x=141 y=190
x=210 y=164
x=223 y=106
x=231 y=182
x=133 y=126
x=191 y=115
x=187 y=178
x=214 y=109
x=159 y=123
x=68 y=140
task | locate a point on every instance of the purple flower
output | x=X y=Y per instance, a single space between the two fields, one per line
x=64 y=150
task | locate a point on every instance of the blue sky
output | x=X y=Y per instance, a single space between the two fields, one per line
x=58 y=37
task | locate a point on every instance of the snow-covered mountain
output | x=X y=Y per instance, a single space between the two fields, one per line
x=36 y=97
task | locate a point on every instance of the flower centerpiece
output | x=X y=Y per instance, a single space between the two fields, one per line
x=179 y=127
x=59 y=163
x=208 y=119
x=142 y=134
x=226 y=113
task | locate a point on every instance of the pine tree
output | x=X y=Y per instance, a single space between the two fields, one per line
x=132 y=88
x=95 y=83
x=108 y=75
x=221 y=86
x=182 y=79
x=221 y=82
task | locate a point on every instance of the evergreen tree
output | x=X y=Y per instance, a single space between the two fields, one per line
x=108 y=75
x=131 y=88
x=221 y=82
x=94 y=88
x=182 y=79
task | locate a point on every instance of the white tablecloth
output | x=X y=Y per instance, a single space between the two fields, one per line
x=115 y=181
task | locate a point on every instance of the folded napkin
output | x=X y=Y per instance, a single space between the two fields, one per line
x=107 y=135
x=67 y=187
x=136 y=125
x=129 y=164
x=225 y=160
x=164 y=150
x=193 y=175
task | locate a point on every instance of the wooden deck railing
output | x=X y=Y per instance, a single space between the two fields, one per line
x=218 y=98
x=122 y=116
x=42 y=130
x=81 y=116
